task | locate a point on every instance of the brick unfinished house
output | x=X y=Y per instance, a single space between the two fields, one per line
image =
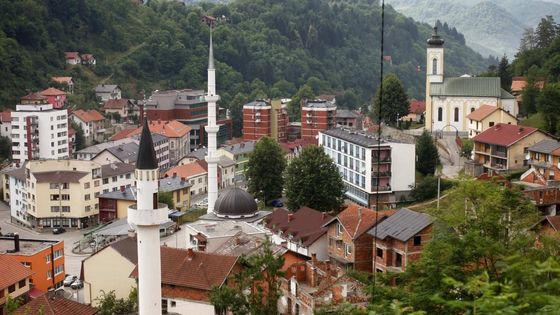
x=400 y=240
x=350 y=247
x=308 y=286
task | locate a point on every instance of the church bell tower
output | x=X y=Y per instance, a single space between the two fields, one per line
x=434 y=72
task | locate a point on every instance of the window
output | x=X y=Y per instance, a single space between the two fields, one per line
x=434 y=66
x=105 y=181
x=11 y=288
x=49 y=274
x=440 y=114
x=86 y=185
x=1 y=293
x=472 y=109
x=48 y=258
x=58 y=269
x=417 y=240
x=114 y=179
x=348 y=249
x=490 y=124
x=339 y=230
x=379 y=252
x=456 y=114
x=21 y=284
x=173 y=303
x=87 y=197
x=58 y=253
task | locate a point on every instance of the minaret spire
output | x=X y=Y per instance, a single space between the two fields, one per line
x=212 y=128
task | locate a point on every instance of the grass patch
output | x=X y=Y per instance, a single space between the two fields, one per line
x=191 y=215
x=535 y=121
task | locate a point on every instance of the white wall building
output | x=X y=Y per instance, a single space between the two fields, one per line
x=117 y=176
x=210 y=235
x=38 y=130
x=356 y=156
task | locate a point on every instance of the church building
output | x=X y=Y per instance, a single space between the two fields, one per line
x=450 y=100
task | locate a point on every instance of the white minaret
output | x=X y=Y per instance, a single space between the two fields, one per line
x=147 y=215
x=212 y=130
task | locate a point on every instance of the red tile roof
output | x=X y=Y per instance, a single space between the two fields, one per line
x=89 y=115
x=357 y=219
x=6 y=116
x=186 y=170
x=34 y=97
x=519 y=83
x=482 y=112
x=125 y=133
x=168 y=128
x=65 y=80
x=12 y=271
x=71 y=54
x=193 y=269
x=417 y=107
x=52 y=92
x=55 y=306
x=306 y=224
x=115 y=104
x=504 y=134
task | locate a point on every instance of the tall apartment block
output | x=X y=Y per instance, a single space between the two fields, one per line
x=38 y=130
x=316 y=116
x=265 y=118
x=370 y=166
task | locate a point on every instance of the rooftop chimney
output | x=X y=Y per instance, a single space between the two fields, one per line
x=190 y=254
x=290 y=217
x=174 y=174
x=123 y=189
x=131 y=233
x=16 y=243
x=323 y=216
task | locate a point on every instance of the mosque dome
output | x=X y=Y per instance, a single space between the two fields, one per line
x=235 y=203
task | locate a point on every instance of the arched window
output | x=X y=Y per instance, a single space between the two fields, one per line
x=434 y=66
x=456 y=114
x=472 y=109
x=440 y=114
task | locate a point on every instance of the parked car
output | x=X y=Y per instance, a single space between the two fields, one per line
x=277 y=203
x=78 y=284
x=202 y=204
x=69 y=280
x=58 y=230
x=11 y=234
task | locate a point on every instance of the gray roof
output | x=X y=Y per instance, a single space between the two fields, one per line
x=156 y=137
x=469 y=86
x=18 y=173
x=247 y=245
x=94 y=149
x=507 y=95
x=258 y=103
x=320 y=104
x=361 y=138
x=402 y=225
x=545 y=146
x=172 y=183
x=224 y=161
x=127 y=152
x=105 y=88
x=240 y=148
x=115 y=169
x=128 y=194
x=200 y=154
x=346 y=113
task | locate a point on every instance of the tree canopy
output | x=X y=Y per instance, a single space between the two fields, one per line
x=313 y=180
x=265 y=170
x=427 y=157
x=395 y=100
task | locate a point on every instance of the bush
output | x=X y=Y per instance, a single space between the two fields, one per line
x=427 y=188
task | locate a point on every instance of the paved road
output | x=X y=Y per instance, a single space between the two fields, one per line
x=72 y=262
x=450 y=156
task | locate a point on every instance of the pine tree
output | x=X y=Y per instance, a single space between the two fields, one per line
x=546 y=32
x=548 y=103
x=313 y=180
x=504 y=73
x=427 y=154
x=265 y=170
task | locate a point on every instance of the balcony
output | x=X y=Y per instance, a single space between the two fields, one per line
x=381 y=174
x=380 y=188
x=382 y=159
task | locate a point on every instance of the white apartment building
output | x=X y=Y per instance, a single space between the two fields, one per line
x=391 y=174
x=38 y=130
x=117 y=176
x=54 y=193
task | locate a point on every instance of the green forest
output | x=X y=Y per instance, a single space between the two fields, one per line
x=263 y=48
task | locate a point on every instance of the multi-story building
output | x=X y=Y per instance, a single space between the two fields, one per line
x=55 y=193
x=162 y=144
x=188 y=107
x=92 y=151
x=226 y=166
x=107 y=92
x=177 y=133
x=14 y=282
x=116 y=176
x=92 y=123
x=350 y=246
x=348 y=118
x=544 y=159
x=66 y=82
x=38 y=130
x=122 y=153
x=125 y=108
x=301 y=232
x=45 y=259
x=487 y=116
x=503 y=148
x=239 y=153
x=55 y=97
x=194 y=173
x=316 y=116
x=370 y=166
x=400 y=240
x=6 y=124
x=263 y=118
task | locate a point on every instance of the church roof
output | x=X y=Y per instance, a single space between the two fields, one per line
x=146 y=154
x=470 y=86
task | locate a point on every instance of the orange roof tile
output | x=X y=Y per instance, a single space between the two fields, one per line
x=519 y=83
x=417 y=107
x=504 y=134
x=6 y=116
x=125 y=133
x=482 y=112
x=62 y=79
x=193 y=269
x=186 y=170
x=52 y=92
x=168 y=128
x=115 y=104
x=34 y=97
x=357 y=219
x=88 y=116
x=55 y=306
x=71 y=54
x=12 y=271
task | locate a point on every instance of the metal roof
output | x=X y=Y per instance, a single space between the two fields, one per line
x=127 y=152
x=361 y=138
x=468 y=86
x=402 y=225
x=545 y=146
x=173 y=183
